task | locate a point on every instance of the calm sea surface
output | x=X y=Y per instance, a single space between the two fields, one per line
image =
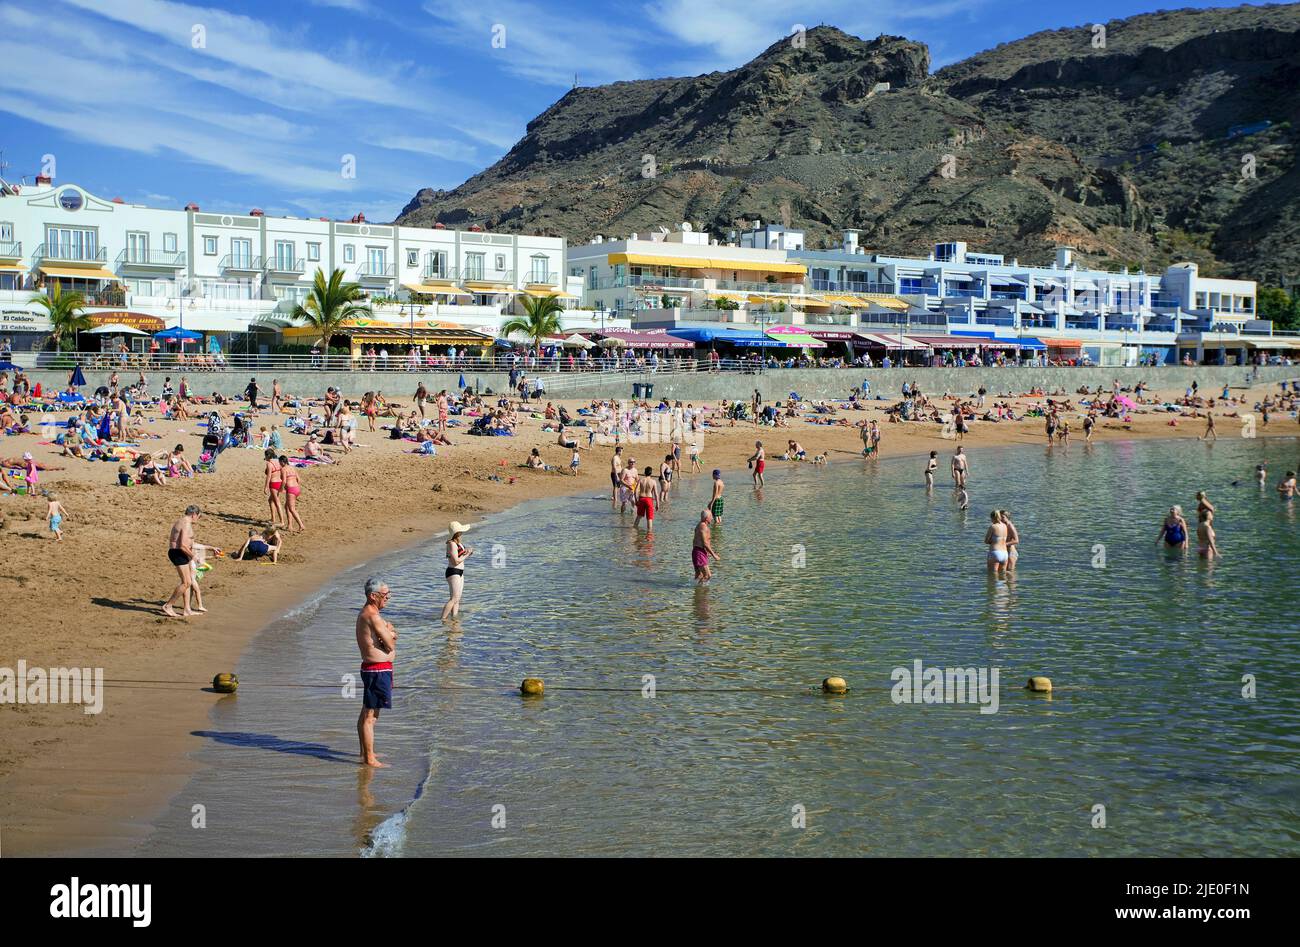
x=850 y=570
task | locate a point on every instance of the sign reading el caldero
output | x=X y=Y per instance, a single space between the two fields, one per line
x=21 y=320
x=135 y=320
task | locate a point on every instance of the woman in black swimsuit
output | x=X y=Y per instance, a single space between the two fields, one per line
x=456 y=556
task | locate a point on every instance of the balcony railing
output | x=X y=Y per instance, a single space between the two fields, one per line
x=370 y=270
x=476 y=275
x=435 y=271
x=70 y=253
x=849 y=286
x=11 y=249
x=746 y=286
x=242 y=263
x=542 y=278
x=285 y=264
x=172 y=259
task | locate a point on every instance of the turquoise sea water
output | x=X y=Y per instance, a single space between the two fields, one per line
x=851 y=570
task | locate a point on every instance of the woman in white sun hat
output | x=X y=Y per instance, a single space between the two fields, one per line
x=456 y=556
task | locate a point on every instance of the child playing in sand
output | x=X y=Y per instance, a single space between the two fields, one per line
x=54 y=515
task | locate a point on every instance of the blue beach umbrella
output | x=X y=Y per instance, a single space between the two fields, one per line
x=177 y=334
x=78 y=379
x=10 y=367
x=462 y=381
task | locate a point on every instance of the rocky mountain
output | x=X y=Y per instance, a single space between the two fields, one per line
x=1163 y=137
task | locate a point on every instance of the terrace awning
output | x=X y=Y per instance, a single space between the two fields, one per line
x=647 y=340
x=543 y=294
x=85 y=272
x=707 y=335
x=907 y=344
x=949 y=341
x=1063 y=343
x=708 y=263
x=441 y=289
x=795 y=338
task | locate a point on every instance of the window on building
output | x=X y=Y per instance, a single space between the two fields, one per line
x=209 y=246
x=6 y=232
x=435 y=264
x=169 y=243
x=349 y=253
x=71 y=243
x=474 y=265
x=376 y=260
x=501 y=262
x=284 y=259
x=539 y=272
x=313 y=252
x=591 y=278
x=412 y=258
x=241 y=252
x=137 y=247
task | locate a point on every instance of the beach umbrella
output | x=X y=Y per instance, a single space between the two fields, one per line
x=576 y=341
x=78 y=379
x=462 y=382
x=1126 y=402
x=10 y=367
x=115 y=328
x=177 y=334
x=612 y=343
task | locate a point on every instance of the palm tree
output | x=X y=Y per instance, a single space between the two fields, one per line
x=329 y=304
x=541 y=318
x=65 y=312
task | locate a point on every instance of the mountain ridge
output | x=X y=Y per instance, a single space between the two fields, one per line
x=1122 y=152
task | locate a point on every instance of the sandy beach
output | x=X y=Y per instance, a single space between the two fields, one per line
x=77 y=783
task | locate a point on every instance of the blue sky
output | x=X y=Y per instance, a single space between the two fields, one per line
x=257 y=104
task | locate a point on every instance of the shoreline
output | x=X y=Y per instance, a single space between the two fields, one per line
x=50 y=807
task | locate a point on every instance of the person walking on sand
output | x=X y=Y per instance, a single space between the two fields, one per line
x=758 y=463
x=456 y=556
x=1210 y=433
x=291 y=487
x=377 y=641
x=996 y=539
x=273 y=483
x=930 y=467
x=277 y=397
x=716 y=504
x=960 y=469
x=702 y=549
x=442 y=411
x=421 y=396
x=54 y=515
x=250 y=392
x=180 y=552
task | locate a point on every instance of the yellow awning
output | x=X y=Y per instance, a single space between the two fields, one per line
x=443 y=289
x=82 y=272
x=542 y=294
x=481 y=286
x=704 y=263
x=11 y=268
x=735 y=297
x=879 y=299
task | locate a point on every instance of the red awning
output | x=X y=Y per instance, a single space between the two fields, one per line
x=648 y=340
x=951 y=341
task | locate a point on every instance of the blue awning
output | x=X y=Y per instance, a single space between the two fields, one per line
x=1028 y=342
x=707 y=335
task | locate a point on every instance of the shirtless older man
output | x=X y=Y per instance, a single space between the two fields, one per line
x=180 y=551
x=377 y=640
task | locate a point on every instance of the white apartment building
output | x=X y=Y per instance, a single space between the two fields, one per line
x=685 y=268
x=223 y=274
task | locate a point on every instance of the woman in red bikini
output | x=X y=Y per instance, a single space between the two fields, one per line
x=292 y=488
x=274 y=483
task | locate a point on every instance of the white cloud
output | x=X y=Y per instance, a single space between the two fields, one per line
x=435 y=147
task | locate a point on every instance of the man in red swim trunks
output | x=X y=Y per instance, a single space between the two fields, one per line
x=377 y=640
x=647 y=488
x=758 y=461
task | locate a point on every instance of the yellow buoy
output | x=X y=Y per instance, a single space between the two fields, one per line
x=835 y=685
x=532 y=687
x=1040 y=685
x=225 y=683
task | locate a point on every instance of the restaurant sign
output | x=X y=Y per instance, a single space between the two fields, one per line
x=22 y=320
x=136 y=320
